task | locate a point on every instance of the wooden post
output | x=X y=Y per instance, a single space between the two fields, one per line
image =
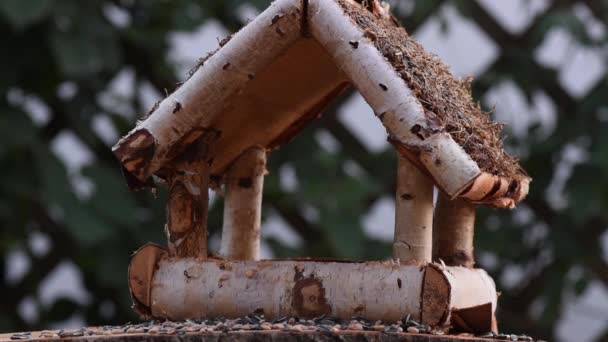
x=454 y=226
x=243 y=206
x=413 y=214
x=187 y=206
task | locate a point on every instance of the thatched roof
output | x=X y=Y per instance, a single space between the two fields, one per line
x=279 y=72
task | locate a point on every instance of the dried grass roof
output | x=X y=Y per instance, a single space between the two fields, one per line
x=447 y=101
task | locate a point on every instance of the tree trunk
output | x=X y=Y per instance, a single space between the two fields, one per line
x=454 y=226
x=243 y=206
x=413 y=214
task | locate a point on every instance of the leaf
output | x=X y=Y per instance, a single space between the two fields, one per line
x=86 y=47
x=21 y=14
x=15 y=129
x=62 y=309
x=111 y=198
x=80 y=221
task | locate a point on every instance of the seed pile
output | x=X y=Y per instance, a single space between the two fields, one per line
x=257 y=323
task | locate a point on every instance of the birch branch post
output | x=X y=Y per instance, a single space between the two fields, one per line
x=413 y=214
x=188 y=202
x=243 y=206
x=454 y=227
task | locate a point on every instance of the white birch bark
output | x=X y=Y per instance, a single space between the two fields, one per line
x=144 y=150
x=413 y=214
x=187 y=288
x=390 y=97
x=244 y=183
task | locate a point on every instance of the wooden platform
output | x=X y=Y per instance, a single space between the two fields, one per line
x=241 y=336
x=257 y=328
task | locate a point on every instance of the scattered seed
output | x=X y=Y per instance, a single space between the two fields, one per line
x=297 y=328
x=355 y=326
x=413 y=330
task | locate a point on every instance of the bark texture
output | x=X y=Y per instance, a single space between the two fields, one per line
x=243 y=206
x=189 y=288
x=157 y=139
x=497 y=191
x=187 y=205
x=249 y=80
x=391 y=98
x=454 y=226
x=413 y=214
x=187 y=208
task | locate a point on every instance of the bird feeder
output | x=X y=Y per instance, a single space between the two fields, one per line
x=254 y=94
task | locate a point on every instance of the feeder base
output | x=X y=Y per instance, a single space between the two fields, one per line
x=187 y=288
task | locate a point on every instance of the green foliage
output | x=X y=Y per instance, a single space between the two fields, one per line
x=50 y=42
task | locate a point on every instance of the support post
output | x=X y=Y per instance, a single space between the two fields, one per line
x=454 y=226
x=243 y=206
x=188 y=203
x=413 y=214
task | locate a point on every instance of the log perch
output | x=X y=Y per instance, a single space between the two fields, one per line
x=243 y=206
x=188 y=288
x=413 y=214
x=454 y=226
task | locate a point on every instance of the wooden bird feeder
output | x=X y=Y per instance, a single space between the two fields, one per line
x=255 y=93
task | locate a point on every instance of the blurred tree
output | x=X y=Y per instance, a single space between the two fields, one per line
x=60 y=59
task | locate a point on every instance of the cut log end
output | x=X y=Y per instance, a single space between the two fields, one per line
x=435 y=297
x=144 y=263
x=497 y=191
x=135 y=152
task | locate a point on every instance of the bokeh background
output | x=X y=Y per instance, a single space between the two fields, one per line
x=76 y=75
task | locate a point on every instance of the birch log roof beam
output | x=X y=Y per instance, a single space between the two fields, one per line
x=254 y=94
x=327 y=46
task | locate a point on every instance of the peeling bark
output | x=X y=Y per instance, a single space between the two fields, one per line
x=243 y=206
x=497 y=191
x=413 y=214
x=187 y=206
x=454 y=226
x=187 y=211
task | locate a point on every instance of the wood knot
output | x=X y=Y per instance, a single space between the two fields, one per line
x=309 y=298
